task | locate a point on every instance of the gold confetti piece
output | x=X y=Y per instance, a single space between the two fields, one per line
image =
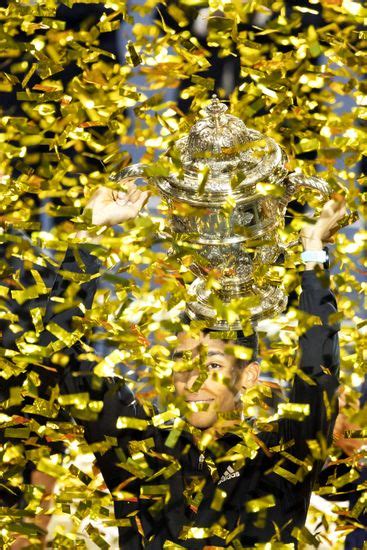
x=203 y=532
x=20 y=433
x=352 y=475
x=133 y=423
x=354 y=8
x=258 y=504
x=136 y=470
x=133 y=57
x=159 y=419
x=48 y=467
x=65 y=338
x=78 y=399
x=37 y=315
x=22 y=296
x=294 y=410
x=208 y=83
x=107 y=367
x=359 y=506
x=148 y=490
x=305 y=10
x=289 y=476
x=212 y=468
x=305 y=536
x=29 y=75
x=203 y=175
x=78 y=277
x=42 y=407
x=175 y=432
x=170 y=470
x=169 y=545
x=218 y=499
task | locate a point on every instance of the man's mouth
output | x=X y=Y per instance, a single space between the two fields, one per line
x=198 y=404
x=198 y=400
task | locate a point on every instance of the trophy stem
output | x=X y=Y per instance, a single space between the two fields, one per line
x=261 y=303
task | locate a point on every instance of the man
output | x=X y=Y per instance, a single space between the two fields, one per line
x=245 y=486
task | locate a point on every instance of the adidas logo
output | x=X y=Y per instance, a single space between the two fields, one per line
x=228 y=474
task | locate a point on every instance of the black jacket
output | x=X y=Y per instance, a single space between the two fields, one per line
x=262 y=495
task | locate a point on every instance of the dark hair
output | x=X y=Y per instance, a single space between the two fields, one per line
x=251 y=342
x=237 y=337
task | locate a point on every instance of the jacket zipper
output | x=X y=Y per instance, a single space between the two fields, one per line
x=201 y=461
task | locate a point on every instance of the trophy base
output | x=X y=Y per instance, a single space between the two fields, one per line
x=269 y=301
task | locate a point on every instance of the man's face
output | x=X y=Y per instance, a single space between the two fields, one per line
x=206 y=359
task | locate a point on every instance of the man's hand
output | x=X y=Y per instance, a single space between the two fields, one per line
x=111 y=207
x=314 y=236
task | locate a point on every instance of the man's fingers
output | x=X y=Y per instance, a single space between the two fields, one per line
x=142 y=199
x=133 y=197
x=120 y=198
x=328 y=223
x=131 y=194
x=336 y=206
x=332 y=212
x=343 y=211
x=131 y=189
x=339 y=208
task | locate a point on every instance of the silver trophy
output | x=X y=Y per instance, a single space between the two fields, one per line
x=218 y=213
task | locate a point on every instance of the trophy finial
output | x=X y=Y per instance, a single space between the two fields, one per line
x=215 y=107
x=215 y=110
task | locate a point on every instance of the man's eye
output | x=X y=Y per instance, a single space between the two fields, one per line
x=214 y=366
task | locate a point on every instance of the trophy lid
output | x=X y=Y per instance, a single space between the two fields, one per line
x=236 y=157
x=218 y=136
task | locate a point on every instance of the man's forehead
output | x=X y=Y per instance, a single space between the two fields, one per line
x=192 y=342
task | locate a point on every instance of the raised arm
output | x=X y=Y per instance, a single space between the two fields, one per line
x=109 y=443
x=64 y=332
x=316 y=383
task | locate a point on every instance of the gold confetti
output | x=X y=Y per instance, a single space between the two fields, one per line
x=62 y=135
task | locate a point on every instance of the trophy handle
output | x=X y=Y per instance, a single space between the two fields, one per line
x=135 y=171
x=132 y=172
x=296 y=182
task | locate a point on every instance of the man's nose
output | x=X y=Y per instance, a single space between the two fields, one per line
x=191 y=378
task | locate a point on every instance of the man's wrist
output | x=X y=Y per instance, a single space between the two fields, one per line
x=311 y=243
x=315 y=254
